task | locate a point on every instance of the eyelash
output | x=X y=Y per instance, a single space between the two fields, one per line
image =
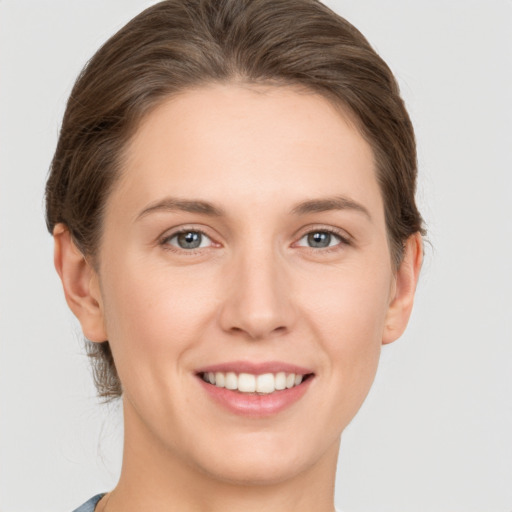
x=164 y=242
x=343 y=241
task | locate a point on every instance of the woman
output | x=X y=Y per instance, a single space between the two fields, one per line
x=232 y=203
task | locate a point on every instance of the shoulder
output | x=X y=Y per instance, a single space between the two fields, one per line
x=89 y=505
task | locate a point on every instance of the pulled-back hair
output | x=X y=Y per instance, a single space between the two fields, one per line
x=178 y=44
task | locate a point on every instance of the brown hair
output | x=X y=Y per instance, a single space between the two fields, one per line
x=177 y=44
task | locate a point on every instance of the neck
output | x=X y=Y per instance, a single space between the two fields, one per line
x=154 y=478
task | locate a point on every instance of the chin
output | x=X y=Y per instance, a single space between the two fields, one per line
x=265 y=460
x=254 y=473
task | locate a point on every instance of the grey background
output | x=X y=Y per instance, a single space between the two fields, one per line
x=435 y=434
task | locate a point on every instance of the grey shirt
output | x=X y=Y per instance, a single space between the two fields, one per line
x=90 y=505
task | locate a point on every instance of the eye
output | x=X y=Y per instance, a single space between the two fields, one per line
x=321 y=239
x=188 y=239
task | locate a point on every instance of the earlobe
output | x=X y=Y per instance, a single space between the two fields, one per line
x=80 y=283
x=406 y=280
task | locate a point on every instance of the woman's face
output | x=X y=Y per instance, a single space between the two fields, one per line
x=246 y=235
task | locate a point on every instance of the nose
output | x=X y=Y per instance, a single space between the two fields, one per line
x=258 y=300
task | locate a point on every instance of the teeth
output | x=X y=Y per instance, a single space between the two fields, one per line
x=248 y=383
x=265 y=383
x=220 y=380
x=231 y=381
x=280 y=381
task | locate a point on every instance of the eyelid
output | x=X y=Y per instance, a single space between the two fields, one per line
x=171 y=233
x=345 y=238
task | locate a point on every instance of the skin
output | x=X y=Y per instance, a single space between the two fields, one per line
x=255 y=291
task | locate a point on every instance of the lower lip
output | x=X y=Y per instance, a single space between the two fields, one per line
x=254 y=405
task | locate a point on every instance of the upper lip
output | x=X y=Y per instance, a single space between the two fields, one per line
x=255 y=368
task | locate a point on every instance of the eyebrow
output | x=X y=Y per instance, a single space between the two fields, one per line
x=186 y=205
x=207 y=208
x=330 y=203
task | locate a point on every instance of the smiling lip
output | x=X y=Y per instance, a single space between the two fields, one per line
x=255 y=368
x=255 y=404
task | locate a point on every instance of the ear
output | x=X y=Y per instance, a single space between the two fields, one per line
x=404 y=288
x=81 y=284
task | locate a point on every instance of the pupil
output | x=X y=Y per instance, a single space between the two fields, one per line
x=190 y=240
x=319 y=239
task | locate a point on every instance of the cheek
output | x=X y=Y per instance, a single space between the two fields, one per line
x=351 y=302
x=154 y=315
x=349 y=315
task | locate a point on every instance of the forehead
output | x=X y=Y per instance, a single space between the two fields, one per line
x=248 y=142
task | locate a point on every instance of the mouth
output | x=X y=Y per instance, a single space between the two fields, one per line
x=255 y=390
x=259 y=384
